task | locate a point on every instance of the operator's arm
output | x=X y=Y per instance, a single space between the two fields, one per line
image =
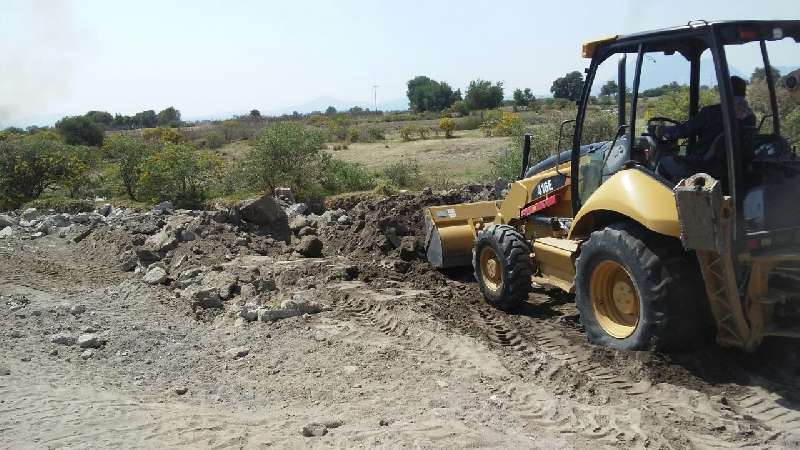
x=693 y=126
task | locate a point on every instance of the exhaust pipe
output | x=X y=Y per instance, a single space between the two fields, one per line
x=621 y=92
x=526 y=154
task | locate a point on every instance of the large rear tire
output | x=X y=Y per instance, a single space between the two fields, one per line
x=502 y=265
x=638 y=290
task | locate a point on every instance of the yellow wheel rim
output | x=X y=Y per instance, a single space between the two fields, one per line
x=614 y=299
x=491 y=270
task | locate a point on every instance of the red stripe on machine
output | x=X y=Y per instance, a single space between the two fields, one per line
x=538 y=206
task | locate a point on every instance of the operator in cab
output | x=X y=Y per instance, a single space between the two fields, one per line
x=705 y=126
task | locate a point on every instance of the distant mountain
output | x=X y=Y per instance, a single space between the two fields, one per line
x=659 y=69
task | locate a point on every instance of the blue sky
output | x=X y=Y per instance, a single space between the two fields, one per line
x=215 y=57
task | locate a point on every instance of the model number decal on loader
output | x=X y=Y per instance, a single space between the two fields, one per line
x=548 y=185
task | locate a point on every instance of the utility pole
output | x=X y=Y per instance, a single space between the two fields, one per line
x=375 y=95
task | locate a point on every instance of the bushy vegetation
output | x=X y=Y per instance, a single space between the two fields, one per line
x=80 y=130
x=286 y=154
x=482 y=94
x=568 y=87
x=502 y=123
x=447 y=125
x=675 y=103
x=404 y=174
x=29 y=165
x=179 y=173
x=342 y=176
x=425 y=94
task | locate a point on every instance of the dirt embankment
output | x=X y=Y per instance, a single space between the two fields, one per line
x=268 y=326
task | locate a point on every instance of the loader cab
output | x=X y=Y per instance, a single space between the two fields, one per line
x=756 y=164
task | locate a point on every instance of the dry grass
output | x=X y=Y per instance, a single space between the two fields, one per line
x=464 y=158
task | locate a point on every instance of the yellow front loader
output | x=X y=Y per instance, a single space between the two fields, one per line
x=654 y=263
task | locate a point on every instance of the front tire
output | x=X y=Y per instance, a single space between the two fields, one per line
x=638 y=290
x=502 y=265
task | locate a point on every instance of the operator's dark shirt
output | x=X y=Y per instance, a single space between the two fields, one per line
x=706 y=125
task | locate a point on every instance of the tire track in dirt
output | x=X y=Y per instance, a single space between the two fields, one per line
x=545 y=350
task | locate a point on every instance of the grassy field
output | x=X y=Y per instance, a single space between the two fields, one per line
x=461 y=159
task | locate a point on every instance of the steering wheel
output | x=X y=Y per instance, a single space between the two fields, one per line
x=655 y=128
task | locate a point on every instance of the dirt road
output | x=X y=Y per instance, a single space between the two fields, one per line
x=395 y=359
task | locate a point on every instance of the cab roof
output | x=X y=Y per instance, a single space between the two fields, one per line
x=693 y=37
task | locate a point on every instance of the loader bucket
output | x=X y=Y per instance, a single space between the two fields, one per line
x=450 y=232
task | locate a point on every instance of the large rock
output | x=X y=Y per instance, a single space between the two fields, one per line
x=298 y=222
x=264 y=210
x=6 y=232
x=223 y=282
x=91 y=340
x=310 y=247
x=163 y=241
x=297 y=209
x=156 y=275
x=8 y=221
x=62 y=339
x=30 y=214
x=164 y=208
x=203 y=297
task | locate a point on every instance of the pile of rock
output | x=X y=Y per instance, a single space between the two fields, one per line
x=35 y=223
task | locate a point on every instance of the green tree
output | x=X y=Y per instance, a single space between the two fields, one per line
x=425 y=94
x=169 y=117
x=145 y=119
x=129 y=154
x=610 y=88
x=100 y=117
x=178 y=173
x=482 y=94
x=286 y=154
x=80 y=130
x=760 y=74
x=523 y=98
x=255 y=114
x=29 y=165
x=569 y=86
x=330 y=111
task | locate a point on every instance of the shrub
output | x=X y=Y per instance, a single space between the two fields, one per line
x=509 y=124
x=31 y=164
x=129 y=154
x=406 y=131
x=60 y=203
x=468 y=123
x=343 y=176
x=162 y=134
x=80 y=130
x=375 y=134
x=503 y=123
x=404 y=174
x=424 y=132
x=459 y=107
x=286 y=154
x=447 y=125
x=178 y=173
x=214 y=139
x=352 y=135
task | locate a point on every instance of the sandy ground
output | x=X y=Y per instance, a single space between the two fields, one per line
x=408 y=359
